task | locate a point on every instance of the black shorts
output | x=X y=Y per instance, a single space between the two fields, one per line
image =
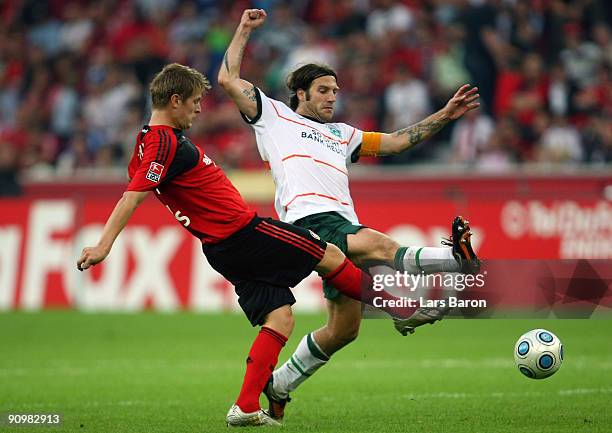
x=263 y=260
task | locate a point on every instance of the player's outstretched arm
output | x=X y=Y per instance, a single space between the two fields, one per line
x=464 y=100
x=121 y=214
x=241 y=91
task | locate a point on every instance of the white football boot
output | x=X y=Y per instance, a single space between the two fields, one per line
x=421 y=316
x=237 y=418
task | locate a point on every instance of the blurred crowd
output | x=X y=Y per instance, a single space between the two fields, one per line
x=74 y=74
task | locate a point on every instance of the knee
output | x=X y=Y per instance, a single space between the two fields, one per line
x=286 y=323
x=387 y=249
x=281 y=320
x=375 y=247
x=331 y=260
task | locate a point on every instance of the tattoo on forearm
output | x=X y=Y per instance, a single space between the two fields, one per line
x=421 y=131
x=250 y=94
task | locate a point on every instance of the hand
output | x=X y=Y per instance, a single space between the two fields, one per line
x=91 y=256
x=253 y=18
x=464 y=100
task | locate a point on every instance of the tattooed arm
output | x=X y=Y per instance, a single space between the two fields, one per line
x=241 y=91
x=464 y=100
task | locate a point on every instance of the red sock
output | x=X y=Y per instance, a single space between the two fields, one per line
x=351 y=281
x=260 y=365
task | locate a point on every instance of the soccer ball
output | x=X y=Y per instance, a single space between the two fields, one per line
x=538 y=353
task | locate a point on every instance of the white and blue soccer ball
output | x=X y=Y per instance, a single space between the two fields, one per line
x=538 y=353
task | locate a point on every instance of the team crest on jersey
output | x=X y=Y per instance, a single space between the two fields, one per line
x=334 y=131
x=155 y=171
x=314 y=235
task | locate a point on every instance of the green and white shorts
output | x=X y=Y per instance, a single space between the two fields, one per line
x=333 y=228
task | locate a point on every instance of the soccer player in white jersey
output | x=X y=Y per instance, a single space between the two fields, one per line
x=308 y=156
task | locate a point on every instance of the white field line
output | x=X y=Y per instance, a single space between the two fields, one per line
x=572 y=392
x=27 y=406
x=68 y=368
x=576 y=363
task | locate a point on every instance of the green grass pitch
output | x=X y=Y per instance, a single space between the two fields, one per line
x=153 y=372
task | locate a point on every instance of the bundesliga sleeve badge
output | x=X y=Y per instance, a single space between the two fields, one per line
x=155 y=171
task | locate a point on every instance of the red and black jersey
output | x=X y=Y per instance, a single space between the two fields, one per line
x=188 y=183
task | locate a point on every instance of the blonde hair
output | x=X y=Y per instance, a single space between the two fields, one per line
x=176 y=79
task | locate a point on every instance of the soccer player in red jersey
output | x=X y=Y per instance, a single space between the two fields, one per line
x=261 y=257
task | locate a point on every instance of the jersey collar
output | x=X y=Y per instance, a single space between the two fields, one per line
x=312 y=118
x=147 y=128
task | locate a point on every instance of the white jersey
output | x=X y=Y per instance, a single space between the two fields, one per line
x=308 y=160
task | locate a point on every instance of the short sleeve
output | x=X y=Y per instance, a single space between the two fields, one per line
x=354 y=143
x=153 y=158
x=267 y=113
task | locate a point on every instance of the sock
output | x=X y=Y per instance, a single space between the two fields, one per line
x=415 y=260
x=428 y=260
x=260 y=364
x=307 y=358
x=351 y=281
